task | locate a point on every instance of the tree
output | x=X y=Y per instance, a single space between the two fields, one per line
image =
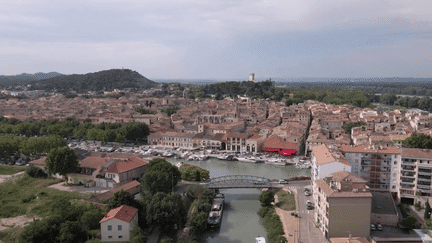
x=199 y=222
x=418 y=140
x=91 y=219
x=35 y=172
x=166 y=211
x=45 y=230
x=137 y=235
x=122 y=197
x=62 y=161
x=266 y=198
x=71 y=231
x=161 y=176
x=409 y=222
x=133 y=131
x=427 y=213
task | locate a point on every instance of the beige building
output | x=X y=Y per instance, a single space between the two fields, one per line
x=343 y=205
x=117 y=224
x=327 y=160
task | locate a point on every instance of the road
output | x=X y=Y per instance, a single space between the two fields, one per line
x=308 y=232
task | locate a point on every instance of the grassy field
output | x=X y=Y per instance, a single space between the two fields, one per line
x=10 y=169
x=30 y=196
x=10 y=235
x=286 y=200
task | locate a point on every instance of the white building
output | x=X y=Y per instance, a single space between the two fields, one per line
x=117 y=223
x=326 y=161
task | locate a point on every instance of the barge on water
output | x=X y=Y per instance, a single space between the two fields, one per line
x=215 y=216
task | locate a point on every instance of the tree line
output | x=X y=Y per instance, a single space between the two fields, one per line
x=423 y=103
x=71 y=128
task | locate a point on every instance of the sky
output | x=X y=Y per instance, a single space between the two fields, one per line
x=218 y=39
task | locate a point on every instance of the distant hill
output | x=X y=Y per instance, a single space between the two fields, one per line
x=99 y=81
x=24 y=78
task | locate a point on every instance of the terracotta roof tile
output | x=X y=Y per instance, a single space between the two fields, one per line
x=254 y=136
x=366 y=149
x=125 y=213
x=126 y=186
x=341 y=175
x=324 y=155
x=126 y=165
x=92 y=162
x=278 y=143
x=416 y=153
x=40 y=161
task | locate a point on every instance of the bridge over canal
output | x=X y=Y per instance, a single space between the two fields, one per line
x=241 y=181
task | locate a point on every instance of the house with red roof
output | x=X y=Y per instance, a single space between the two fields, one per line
x=277 y=144
x=108 y=170
x=117 y=224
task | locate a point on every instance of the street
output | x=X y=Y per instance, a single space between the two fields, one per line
x=308 y=232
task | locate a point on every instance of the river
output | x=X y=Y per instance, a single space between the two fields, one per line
x=240 y=221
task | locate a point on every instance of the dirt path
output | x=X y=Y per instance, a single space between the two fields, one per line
x=4 y=178
x=7 y=223
x=289 y=222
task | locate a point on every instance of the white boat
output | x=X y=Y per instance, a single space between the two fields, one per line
x=247 y=159
x=179 y=164
x=260 y=240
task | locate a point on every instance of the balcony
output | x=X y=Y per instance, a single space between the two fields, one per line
x=404 y=186
x=409 y=182
x=424 y=187
x=424 y=179
x=425 y=172
x=407 y=192
x=408 y=161
x=408 y=168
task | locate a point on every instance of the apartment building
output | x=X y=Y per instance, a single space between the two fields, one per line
x=327 y=160
x=415 y=173
x=343 y=205
x=379 y=166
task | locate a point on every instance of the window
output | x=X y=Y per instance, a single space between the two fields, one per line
x=109 y=227
x=109 y=237
x=120 y=236
x=119 y=228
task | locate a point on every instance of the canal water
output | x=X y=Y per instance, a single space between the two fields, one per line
x=240 y=221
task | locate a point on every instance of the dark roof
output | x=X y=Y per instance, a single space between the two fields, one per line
x=382 y=203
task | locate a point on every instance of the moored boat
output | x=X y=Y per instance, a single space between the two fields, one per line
x=215 y=216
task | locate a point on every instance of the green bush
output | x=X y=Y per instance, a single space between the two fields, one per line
x=272 y=224
x=35 y=172
x=28 y=198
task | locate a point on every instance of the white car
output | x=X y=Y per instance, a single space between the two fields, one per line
x=283 y=182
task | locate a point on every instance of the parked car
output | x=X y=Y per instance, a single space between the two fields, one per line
x=379 y=227
x=372 y=227
x=283 y=182
x=307 y=193
x=309 y=204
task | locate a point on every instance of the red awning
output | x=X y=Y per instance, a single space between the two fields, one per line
x=287 y=152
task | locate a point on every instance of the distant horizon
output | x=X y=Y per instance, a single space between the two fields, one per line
x=228 y=79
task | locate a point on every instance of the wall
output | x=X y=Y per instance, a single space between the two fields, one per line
x=349 y=216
